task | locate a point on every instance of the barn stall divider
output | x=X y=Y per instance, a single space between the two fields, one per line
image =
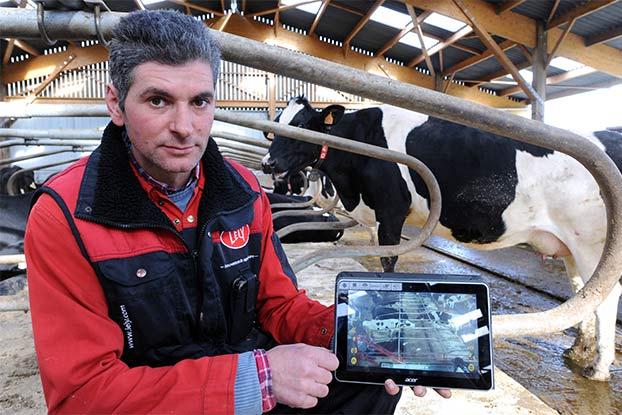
x=81 y=25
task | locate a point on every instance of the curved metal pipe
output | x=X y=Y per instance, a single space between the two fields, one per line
x=14 y=176
x=16 y=22
x=240 y=138
x=4 y=162
x=315 y=226
x=299 y=212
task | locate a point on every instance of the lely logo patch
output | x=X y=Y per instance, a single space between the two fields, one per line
x=236 y=239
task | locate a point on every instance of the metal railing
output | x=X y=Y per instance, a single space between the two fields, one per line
x=79 y=25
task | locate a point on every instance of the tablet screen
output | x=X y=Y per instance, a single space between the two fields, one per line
x=422 y=332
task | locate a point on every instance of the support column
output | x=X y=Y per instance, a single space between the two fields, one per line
x=4 y=152
x=539 y=72
x=271 y=79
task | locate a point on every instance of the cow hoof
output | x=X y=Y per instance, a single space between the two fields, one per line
x=579 y=353
x=592 y=373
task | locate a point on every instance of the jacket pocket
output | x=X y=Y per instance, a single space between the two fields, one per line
x=147 y=300
x=242 y=301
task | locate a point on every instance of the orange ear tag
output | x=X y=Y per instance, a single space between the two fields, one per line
x=329 y=119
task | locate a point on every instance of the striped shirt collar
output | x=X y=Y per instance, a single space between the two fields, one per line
x=161 y=186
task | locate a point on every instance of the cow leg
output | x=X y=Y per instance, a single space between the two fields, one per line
x=606 y=315
x=389 y=233
x=584 y=347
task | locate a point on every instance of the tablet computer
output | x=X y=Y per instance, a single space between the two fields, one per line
x=417 y=329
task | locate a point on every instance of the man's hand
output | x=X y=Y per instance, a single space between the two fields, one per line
x=301 y=373
x=419 y=391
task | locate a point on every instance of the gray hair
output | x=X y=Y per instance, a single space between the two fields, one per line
x=163 y=36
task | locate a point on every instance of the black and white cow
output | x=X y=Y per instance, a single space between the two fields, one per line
x=496 y=193
x=25 y=182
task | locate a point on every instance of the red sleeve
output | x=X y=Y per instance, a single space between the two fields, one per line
x=284 y=311
x=78 y=346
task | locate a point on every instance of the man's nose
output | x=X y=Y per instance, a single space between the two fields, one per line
x=182 y=121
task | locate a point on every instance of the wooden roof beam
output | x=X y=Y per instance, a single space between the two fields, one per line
x=347 y=9
x=281 y=8
x=443 y=44
x=606 y=36
x=8 y=51
x=553 y=10
x=508 y=5
x=318 y=16
x=503 y=59
x=197 y=7
x=139 y=4
x=552 y=80
x=44 y=65
x=53 y=75
x=361 y=23
x=424 y=50
x=26 y=47
x=243 y=8
x=560 y=40
x=474 y=60
x=500 y=73
x=522 y=29
x=402 y=33
x=578 y=12
x=248 y=28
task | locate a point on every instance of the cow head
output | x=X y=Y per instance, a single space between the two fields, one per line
x=23 y=183
x=287 y=156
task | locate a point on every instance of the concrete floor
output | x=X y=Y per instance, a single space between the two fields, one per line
x=509 y=397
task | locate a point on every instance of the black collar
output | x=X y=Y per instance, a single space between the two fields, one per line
x=111 y=194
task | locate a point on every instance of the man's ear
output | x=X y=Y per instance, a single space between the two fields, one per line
x=112 y=103
x=331 y=115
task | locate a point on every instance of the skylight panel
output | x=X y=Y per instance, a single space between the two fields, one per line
x=390 y=17
x=444 y=22
x=413 y=40
x=526 y=74
x=309 y=7
x=566 y=64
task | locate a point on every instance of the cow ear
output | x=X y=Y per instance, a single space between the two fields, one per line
x=331 y=115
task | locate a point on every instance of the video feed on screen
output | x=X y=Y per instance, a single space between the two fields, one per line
x=424 y=331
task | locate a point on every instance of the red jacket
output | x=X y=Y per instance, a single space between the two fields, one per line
x=129 y=315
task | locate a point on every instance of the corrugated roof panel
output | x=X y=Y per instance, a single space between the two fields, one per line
x=251 y=6
x=616 y=43
x=361 y=6
x=373 y=36
x=297 y=18
x=541 y=9
x=590 y=79
x=452 y=56
x=473 y=42
x=599 y=21
x=403 y=52
x=337 y=23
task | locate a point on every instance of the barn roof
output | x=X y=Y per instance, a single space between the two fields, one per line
x=584 y=37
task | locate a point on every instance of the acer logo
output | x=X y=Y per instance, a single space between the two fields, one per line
x=236 y=239
x=411 y=380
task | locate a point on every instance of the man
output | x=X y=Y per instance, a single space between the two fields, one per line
x=156 y=281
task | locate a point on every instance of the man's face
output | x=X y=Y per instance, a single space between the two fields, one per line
x=169 y=111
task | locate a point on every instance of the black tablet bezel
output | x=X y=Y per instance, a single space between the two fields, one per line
x=483 y=380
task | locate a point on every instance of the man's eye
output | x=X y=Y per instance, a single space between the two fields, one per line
x=156 y=102
x=200 y=102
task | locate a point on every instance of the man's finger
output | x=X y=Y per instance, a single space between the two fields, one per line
x=419 y=391
x=445 y=393
x=326 y=359
x=391 y=387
